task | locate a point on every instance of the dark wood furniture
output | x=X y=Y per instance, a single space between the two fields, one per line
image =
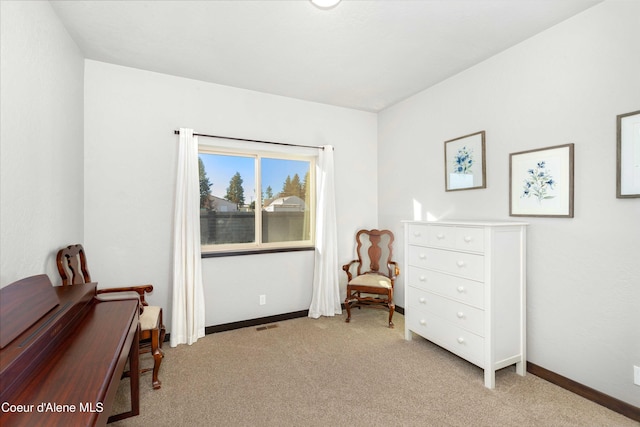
x=64 y=368
x=372 y=275
x=72 y=266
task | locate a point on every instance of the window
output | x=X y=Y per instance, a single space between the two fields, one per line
x=255 y=201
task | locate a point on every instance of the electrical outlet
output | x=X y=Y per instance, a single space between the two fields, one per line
x=636 y=375
x=263 y=299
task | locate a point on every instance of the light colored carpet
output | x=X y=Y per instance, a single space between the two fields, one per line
x=325 y=372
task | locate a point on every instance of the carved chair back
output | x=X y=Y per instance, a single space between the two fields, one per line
x=72 y=265
x=375 y=252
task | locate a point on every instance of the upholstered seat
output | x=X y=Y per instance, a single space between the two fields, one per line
x=72 y=266
x=375 y=280
x=370 y=277
x=149 y=317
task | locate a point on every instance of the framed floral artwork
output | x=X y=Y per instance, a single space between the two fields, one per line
x=628 y=155
x=541 y=182
x=464 y=162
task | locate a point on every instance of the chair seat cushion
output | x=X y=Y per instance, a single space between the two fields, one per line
x=149 y=317
x=373 y=280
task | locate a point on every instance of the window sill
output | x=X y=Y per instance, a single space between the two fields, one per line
x=254 y=252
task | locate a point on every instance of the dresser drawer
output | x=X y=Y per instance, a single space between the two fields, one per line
x=457 y=340
x=447 y=237
x=441 y=237
x=461 y=315
x=470 y=239
x=459 y=263
x=417 y=234
x=463 y=290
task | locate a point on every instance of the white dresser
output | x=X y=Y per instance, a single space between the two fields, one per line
x=465 y=290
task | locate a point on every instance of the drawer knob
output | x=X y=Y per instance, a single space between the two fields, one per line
x=467 y=239
x=423 y=279
x=461 y=340
x=422 y=300
x=460 y=289
x=422 y=256
x=440 y=236
x=460 y=315
x=417 y=234
x=460 y=263
x=423 y=322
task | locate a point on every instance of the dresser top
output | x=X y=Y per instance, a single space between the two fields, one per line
x=477 y=223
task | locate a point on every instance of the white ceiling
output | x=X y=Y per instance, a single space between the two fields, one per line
x=365 y=55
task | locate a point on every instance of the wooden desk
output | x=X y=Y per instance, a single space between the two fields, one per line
x=77 y=382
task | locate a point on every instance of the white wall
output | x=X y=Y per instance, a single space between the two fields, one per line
x=564 y=85
x=130 y=163
x=41 y=154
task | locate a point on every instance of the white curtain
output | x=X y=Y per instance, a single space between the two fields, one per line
x=326 y=289
x=187 y=318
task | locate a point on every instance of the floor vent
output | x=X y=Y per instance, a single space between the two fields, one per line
x=264 y=328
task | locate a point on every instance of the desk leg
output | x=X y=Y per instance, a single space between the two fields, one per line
x=134 y=378
x=134 y=368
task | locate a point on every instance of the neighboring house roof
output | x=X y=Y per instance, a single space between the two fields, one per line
x=222 y=205
x=287 y=203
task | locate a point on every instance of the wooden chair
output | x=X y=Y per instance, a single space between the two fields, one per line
x=371 y=277
x=72 y=266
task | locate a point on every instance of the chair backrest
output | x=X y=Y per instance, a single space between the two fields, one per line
x=72 y=265
x=375 y=251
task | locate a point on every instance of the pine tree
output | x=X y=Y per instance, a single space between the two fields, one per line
x=205 y=185
x=296 y=187
x=286 y=187
x=305 y=186
x=235 y=192
x=292 y=187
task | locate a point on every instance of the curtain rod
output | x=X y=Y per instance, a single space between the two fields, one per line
x=177 y=132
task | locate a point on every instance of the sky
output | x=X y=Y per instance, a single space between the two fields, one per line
x=221 y=168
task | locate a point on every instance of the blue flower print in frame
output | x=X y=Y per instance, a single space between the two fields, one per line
x=465 y=162
x=541 y=182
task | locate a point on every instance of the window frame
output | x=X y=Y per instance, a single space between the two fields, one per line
x=257 y=247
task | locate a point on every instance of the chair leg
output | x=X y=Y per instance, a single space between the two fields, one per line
x=162 y=334
x=157 y=354
x=348 y=307
x=162 y=329
x=392 y=308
